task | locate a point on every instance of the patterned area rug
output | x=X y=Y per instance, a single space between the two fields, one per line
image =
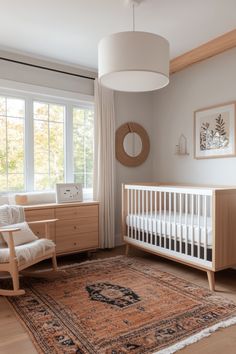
x=117 y=305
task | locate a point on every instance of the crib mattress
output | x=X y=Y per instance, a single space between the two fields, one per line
x=158 y=225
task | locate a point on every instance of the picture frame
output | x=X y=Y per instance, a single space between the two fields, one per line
x=69 y=192
x=215 y=131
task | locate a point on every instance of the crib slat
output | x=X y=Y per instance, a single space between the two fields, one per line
x=199 y=226
x=180 y=221
x=155 y=218
x=151 y=205
x=135 y=214
x=139 y=215
x=170 y=225
x=146 y=202
x=192 y=220
x=151 y=219
x=160 y=220
x=164 y=219
x=132 y=212
x=175 y=231
x=205 y=227
x=186 y=223
x=143 y=211
x=146 y=219
x=128 y=206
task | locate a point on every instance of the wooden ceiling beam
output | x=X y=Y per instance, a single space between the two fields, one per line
x=205 y=51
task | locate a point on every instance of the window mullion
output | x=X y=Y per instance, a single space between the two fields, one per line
x=29 y=145
x=69 y=169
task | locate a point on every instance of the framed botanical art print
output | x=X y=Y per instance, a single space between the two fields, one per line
x=214 y=132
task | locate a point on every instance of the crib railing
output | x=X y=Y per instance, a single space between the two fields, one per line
x=173 y=220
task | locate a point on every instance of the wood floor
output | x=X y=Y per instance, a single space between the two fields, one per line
x=14 y=339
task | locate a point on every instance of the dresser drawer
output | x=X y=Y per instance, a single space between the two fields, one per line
x=88 y=240
x=77 y=242
x=39 y=230
x=39 y=214
x=76 y=229
x=76 y=226
x=69 y=213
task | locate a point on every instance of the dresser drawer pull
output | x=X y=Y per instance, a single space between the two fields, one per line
x=75 y=227
x=75 y=243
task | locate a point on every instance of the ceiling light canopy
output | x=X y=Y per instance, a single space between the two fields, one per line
x=133 y=61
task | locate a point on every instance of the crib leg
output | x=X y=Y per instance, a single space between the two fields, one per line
x=127 y=250
x=211 y=280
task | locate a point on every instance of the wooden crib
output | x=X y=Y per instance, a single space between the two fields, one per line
x=192 y=225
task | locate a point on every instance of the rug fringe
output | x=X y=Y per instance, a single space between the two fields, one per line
x=195 y=338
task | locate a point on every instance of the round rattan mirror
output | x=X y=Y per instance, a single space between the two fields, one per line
x=132 y=144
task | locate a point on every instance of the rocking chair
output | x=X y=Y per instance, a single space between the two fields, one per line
x=15 y=258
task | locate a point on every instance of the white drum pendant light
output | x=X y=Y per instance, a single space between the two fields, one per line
x=133 y=61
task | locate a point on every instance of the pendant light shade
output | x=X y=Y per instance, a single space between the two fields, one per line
x=133 y=61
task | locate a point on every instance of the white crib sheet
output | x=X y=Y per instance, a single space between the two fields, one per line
x=154 y=225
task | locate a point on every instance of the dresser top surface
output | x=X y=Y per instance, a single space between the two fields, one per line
x=59 y=205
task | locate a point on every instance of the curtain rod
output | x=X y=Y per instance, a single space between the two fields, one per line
x=46 y=68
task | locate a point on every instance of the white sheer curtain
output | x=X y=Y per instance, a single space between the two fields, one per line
x=104 y=163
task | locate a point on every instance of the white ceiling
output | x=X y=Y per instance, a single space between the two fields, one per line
x=69 y=30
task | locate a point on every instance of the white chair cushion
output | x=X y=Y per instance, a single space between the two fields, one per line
x=23 y=236
x=29 y=251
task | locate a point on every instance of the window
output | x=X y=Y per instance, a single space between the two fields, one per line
x=83 y=133
x=12 y=120
x=49 y=122
x=44 y=142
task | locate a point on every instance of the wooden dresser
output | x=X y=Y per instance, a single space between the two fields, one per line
x=76 y=229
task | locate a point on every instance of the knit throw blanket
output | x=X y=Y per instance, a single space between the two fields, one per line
x=10 y=214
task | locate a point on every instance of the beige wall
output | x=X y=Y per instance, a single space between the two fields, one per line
x=132 y=107
x=204 y=84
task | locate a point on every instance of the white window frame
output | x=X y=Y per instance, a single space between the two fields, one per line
x=31 y=93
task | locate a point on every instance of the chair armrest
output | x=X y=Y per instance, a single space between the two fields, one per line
x=46 y=223
x=9 y=229
x=50 y=221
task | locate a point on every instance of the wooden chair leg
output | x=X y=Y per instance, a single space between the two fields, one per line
x=16 y=286
x=127 y=250
x=15 y=280
x=211 y=280
x=54 y=262
x=15 y=276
